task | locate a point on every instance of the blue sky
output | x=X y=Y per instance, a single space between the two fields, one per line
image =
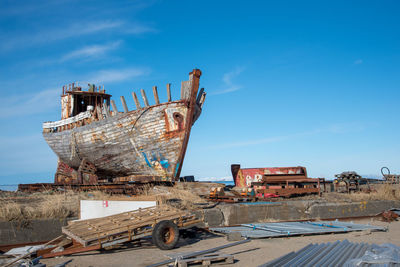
x=289 y=83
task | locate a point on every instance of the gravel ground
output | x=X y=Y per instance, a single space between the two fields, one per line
x=250 y=254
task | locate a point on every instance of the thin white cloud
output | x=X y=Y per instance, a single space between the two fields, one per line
x=76 y=30
x=332 y=129
x=48 y=99
x=59 y=33
x=267 y=140
x=117 y=75
x=358 y=62
x=28 y=104
x=138 y=29
x=73 y=31
x=92 y=51
x=229 y=84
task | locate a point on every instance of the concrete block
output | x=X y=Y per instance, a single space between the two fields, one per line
x=213 y=217
x=234 y=236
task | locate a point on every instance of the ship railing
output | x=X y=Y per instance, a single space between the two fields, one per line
x=79 y=117
x=81 y=86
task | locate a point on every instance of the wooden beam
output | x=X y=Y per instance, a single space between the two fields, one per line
x=146 y=102
x=107 y=110
x=155 y=93
x=124 y=104
x=114 y=107
x=202 y=99
x=99 y=114
x=169 y=92
x=135 y=98
x=69 y=251
x=199 y=96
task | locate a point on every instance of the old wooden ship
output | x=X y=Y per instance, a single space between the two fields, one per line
x=98 y=144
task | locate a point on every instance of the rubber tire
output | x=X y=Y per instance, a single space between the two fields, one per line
x=158 y=235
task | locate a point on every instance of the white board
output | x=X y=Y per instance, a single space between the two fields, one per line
x=91 y=209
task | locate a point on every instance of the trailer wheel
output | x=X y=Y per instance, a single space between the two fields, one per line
x=165 y=235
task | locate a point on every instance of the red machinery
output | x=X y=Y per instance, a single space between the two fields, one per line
x=282 y=181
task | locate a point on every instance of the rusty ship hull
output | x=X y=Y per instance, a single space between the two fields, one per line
x=142 y=145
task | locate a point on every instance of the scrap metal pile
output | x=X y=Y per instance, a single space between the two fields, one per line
x=349 y=181
x=340 y=253
x=277 y=181
x=390 y=178
x=266 y=230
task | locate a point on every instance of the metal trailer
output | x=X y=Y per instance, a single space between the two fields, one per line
x=161 y=222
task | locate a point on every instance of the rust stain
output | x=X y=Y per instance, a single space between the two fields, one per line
x=96 y=138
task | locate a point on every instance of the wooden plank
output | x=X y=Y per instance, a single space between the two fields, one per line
x=202 y=99
x=141 y=213
x=104 y=230
x=114 y=107
x=120 y=224
x=135 y=98
x=99 y=114
x=207 y=259
x=107 y=110
x=70 y=251
x=186 y=90
x=169 y=92
x=72 y=235
x=125 y=107
x=199 y=95
x=107 y=231
x=137 y=220
x=123 y=232
x=155 y=93
x=146 y=102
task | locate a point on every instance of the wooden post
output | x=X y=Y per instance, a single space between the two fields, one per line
x=202 y=99
x=183 y=90
x=169 y=92
x=135 y=98
x=107 y=110
x=99 y=114
x=155 y=93
x=199 y=95
x=114 y=107
x=124 y=104
x=146 y=102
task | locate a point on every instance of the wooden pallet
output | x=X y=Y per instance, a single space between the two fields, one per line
x=126 y=226
x=207 y=260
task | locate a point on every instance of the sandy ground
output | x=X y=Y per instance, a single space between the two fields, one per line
x=250 y=254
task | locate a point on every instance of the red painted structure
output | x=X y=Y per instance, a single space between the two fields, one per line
x=245 y=177
x=282 y=181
